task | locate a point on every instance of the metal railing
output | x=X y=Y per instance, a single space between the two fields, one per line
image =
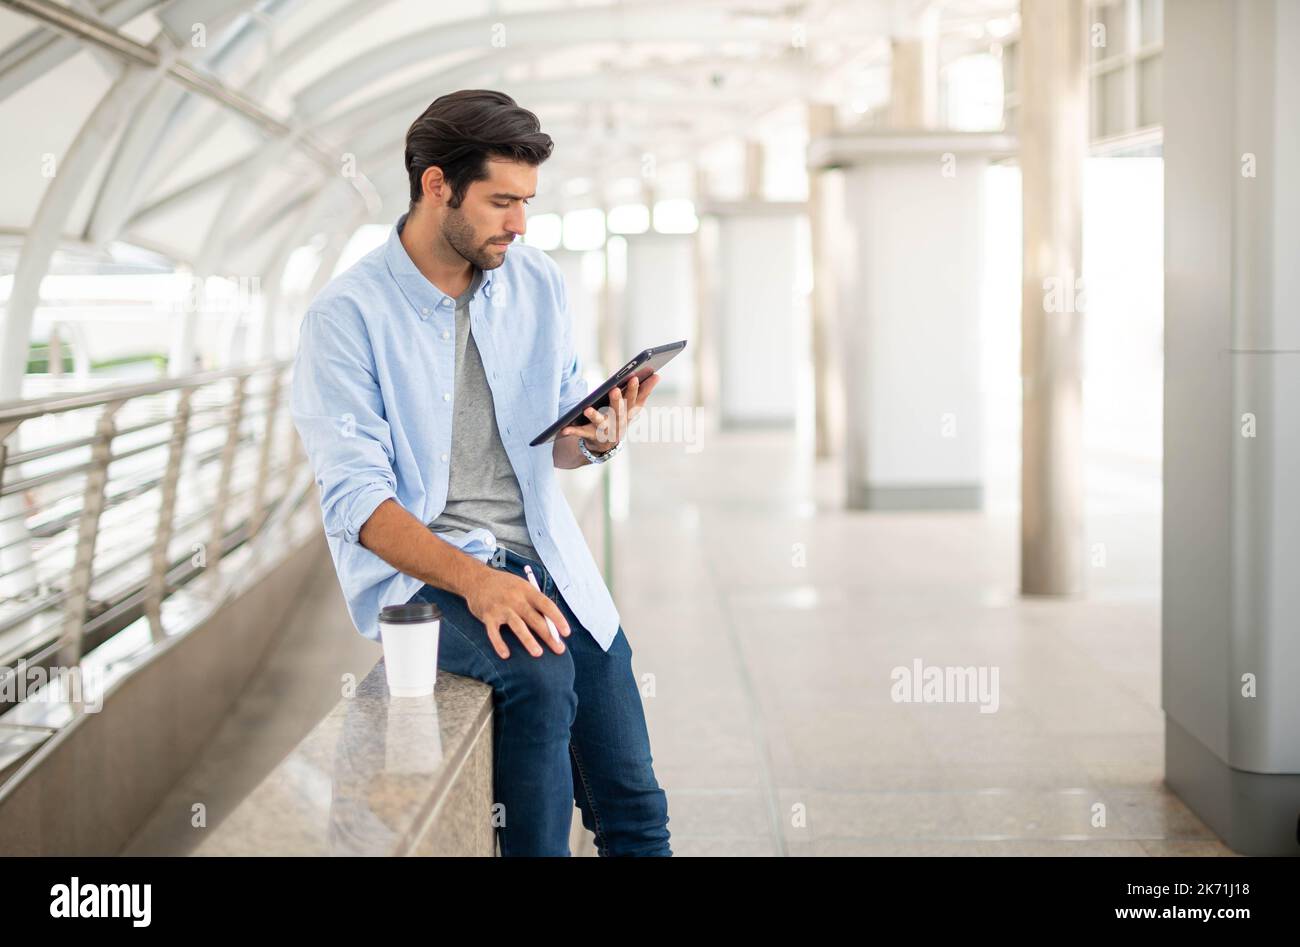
x=112 y=500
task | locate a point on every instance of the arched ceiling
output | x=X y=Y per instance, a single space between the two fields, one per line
x=256 y=123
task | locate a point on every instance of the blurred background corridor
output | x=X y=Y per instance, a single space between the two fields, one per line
x=991 y=369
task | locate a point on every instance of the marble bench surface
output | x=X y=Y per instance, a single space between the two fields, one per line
x=378 y=776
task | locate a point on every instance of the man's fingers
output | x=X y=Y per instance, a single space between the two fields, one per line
x=599 y=422
x=536 y=623
x=610 y=425
x=520 y=629
x=548 y=608
x=494 y=635
x=646 y=389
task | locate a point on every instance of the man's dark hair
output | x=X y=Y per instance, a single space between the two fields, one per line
x=461 y=130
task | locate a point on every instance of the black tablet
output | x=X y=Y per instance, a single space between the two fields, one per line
x=643 y=366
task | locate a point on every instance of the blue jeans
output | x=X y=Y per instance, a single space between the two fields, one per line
x=566 y=728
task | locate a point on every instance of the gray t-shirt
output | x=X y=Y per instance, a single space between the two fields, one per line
x=482 y=490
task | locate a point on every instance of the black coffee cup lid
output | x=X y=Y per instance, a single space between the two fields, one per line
x=409 y=613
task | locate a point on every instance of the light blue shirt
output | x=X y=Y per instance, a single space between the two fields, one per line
x=373 y=399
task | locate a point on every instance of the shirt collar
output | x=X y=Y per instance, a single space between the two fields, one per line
x=423 y=296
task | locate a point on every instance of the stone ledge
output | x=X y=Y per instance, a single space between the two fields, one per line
x=381 y=776
x=378 y=776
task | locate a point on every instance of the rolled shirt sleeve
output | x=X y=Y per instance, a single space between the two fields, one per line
x=338 y=409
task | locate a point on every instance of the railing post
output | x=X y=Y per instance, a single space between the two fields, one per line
x=159 y=564
x=74 y=614
x=257 y=515
x=293 y=456
x=235 y=416
x=5 y=431
x=13 y=533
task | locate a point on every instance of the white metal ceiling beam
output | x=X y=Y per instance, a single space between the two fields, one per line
x=395 y=104
x=325 y=31
x=179 y=17
x=57 y=202
x=400 y=109
x=387 y=145
x=40 y=51
x=129 y=175
x=98 y=33
x=701 y=22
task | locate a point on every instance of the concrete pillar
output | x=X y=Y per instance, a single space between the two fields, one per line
x=758 y=329
x=911 y=271
x=609 y=332
x=659 y=301
x=705 y=358
x=1231 y=602
x=914 y=81
x=1053 y=146
x=828 y=385
x=753 y=170
x=760 y=333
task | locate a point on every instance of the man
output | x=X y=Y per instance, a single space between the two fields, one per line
x=422 y=373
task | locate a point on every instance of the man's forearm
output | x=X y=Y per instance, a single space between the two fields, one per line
x=407 y=545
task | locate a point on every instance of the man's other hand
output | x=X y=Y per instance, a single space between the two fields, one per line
x=499 y=598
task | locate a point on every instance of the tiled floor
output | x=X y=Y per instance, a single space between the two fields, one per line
x=766 y=621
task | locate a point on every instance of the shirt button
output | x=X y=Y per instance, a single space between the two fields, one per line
x=445 y=396
x=446 y=334
x=425 y=310
x=444 y=458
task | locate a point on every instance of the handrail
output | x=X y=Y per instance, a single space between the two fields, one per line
x=108 y=530
x=24 y=410
x=62 y=590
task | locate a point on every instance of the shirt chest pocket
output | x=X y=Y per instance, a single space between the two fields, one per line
x=540 y=379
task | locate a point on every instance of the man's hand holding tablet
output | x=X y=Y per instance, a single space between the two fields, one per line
x=593 y=406
x=608 y=427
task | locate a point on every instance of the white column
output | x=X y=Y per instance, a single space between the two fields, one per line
x=659 y=302
x=911 y=272
x=761 y=334
x=1231 y=600
x=914 y=82
x=824 y=193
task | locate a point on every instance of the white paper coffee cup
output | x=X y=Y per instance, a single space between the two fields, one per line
x=409 y=634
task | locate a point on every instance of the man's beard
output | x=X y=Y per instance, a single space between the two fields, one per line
x=460 y=236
